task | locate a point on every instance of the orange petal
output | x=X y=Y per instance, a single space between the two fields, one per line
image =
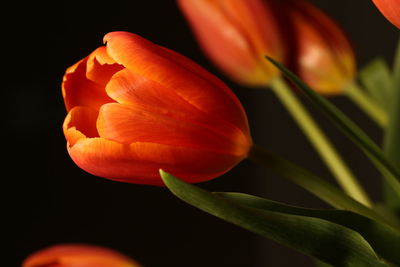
x=78 y=255
x=140 y=162
x=132 y=89
x=149 y=60
x=326 y=59
x=127 y=124
x=80 y=123
x=390 y=9
x=80 y=91
x=237 y=35
x=100 y=67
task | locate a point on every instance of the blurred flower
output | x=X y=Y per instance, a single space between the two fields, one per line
x=390 y=9
x=237 y=35
x=78 y=255
x=135 y=107
x=320 y=51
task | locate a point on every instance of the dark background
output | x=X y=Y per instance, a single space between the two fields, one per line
x=49 y=200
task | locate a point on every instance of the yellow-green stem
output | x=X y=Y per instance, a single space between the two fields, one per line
x=367 y=104
x=318 y=139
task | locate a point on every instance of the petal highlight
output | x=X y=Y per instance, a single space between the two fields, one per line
x=140 y=162
x=149 y=60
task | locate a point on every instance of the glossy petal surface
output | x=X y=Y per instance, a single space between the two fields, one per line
x=135 y=107
x=390 y=9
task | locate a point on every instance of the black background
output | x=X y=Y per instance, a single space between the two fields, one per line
x=48 y=200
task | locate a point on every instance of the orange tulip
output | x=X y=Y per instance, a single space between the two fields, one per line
x=78 y=256
x=322 y=53
x=390 y=9
x=237 y=35
x=135 y=107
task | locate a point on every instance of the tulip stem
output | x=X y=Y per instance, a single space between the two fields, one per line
x=318 y=139
x=367 y=104
x=312 y=183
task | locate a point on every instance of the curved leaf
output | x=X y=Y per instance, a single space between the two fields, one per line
x=324 y=240
x=384 y=239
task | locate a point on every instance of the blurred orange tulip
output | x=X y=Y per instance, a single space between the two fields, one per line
x=390 y=9
x=321 y=52
x=135 y=107
x=237 y=35
x=78 y=256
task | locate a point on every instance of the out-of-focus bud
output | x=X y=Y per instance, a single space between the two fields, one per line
x=321 y=53
x=78 y=255
x=237 y=35
x=390 y=9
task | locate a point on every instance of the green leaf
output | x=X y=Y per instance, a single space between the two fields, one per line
x=384 y=239
x=348 y=127
x=378 y=81
x=321 y=239
x=311 y=182
x=391 y=139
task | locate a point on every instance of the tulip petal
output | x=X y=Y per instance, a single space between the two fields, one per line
x=132 y=89
x=78 y=255
x=326 y=58
x=127 y=124
x=140 y=162
x=149 y=60
x=237 y=35
x=100 y=67
x=390 y=9
x=80 y=123
x=78 y=90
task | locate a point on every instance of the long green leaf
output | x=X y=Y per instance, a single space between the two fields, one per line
x=311 y=182
x=321 y=239
x=378 y=81
x=384 y=239
x=348 y=127
x=392 y=133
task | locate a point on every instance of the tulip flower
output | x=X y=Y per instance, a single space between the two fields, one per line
x=237 y=35
x=135 y=107
x=390 y=9
x=323 y=56
x=78 y=255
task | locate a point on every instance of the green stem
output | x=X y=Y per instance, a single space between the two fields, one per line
x=312 y=183
x=330 y=156
x=367 y=104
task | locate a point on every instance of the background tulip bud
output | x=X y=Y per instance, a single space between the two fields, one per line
x=390 y=9
x=78 y=255
x=321 y=53
x=237 y=35
x=135 y=107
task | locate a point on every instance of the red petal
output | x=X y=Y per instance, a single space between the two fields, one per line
x=127 y=124
x=78 y=255
x=100 y=67
x=149 y=60
x=80 y=123
x=237 y=35
x=140 y=162
x=132 y=89
x=80 y=91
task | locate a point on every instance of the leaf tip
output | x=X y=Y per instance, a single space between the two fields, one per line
x=164 y=176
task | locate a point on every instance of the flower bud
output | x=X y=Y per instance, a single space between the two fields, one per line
x=390 y=9
x=135 y=107
x=237 y=35
x=321 y=53
x=78 y=255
